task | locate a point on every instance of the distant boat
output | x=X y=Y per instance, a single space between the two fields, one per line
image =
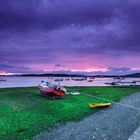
x=78 y=79
x=91 y=77
x=113 y=83
x=3 y=80
x=90 y=80
x=58 y=80
x=119 y=83
x=72 y=79
x=81 y=79
x=119 y=78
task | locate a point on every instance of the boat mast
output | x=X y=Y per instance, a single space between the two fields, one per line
x=53 y=72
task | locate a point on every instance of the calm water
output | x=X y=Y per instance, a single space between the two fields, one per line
x=34 y=81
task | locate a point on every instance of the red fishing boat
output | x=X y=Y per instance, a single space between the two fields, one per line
x=51 y=91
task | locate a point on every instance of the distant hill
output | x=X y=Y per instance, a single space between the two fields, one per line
x=133 y=75
x=69 y=75
x=78 y=75
x=56 y=75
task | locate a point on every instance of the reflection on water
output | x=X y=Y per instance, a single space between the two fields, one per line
x=34 y=81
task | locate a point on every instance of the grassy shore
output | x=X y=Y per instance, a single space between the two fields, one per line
x=24 y=114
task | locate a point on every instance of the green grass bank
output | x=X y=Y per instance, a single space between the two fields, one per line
x=24 y=113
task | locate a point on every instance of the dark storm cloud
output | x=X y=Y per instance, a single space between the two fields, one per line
x=50 y=32
x=12 y=68
x=51 y=14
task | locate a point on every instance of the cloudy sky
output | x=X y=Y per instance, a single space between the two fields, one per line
x=77 y=35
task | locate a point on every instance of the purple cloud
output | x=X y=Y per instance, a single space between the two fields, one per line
x=81 y=34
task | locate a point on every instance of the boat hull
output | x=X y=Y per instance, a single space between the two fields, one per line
x=52 y=93
x=99 y=105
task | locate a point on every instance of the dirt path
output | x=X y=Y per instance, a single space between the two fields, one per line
x=114 y=123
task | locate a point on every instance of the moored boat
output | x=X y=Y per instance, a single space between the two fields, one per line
x=99 y=105
x=51 y=91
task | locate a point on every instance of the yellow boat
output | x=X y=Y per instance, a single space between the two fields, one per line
x=99 y=105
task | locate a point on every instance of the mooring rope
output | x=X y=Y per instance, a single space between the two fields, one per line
x=129 y=106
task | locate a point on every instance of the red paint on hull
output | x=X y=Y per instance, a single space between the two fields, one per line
x=51 y=92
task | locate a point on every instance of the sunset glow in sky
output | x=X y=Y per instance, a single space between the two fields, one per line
x=96 y=36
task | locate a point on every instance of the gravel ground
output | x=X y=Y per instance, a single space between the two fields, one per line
x=135 y=135
x=117 y=122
